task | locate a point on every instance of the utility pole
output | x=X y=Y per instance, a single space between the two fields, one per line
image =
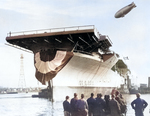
x=22 y=83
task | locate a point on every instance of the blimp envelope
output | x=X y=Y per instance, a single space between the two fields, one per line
x=122 y=12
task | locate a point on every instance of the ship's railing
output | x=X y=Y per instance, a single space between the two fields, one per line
x=64 y=29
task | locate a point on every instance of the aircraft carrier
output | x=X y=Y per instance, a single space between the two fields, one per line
x=72 y=59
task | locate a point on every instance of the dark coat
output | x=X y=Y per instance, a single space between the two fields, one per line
x=99 y=107
x=91 y=102
x=74 y=110
x=139 y=105
x=114 y=108
x=66 y=106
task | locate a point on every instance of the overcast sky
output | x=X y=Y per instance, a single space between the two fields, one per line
x=129 y=35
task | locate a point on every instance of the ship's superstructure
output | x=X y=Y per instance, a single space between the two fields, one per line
x=74 y=57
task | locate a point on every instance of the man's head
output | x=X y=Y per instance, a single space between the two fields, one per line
x=82 y=95
x=138 y=95
x=106 y=97
x=112 y=96
x=117 y=93
x=92 y=94
x=67 y=97
x=75 y=94
x=100 y=95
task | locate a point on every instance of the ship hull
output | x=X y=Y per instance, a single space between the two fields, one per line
x=86 y=74
x=60 y=92
x=12 y=92
x=133 y=91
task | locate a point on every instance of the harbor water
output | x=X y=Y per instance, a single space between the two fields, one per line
x=22 y=104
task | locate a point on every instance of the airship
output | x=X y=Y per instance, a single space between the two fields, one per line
x=122 y=12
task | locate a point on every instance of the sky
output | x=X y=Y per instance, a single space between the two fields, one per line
x=129 y=35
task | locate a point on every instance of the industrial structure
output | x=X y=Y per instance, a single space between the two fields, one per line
x=22 y=82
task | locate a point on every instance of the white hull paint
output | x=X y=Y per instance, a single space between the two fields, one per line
x=85 y=71
x=86 y=74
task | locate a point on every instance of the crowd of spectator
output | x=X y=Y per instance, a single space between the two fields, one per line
x=111 y=105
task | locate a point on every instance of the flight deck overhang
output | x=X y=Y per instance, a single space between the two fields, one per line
x=80 y=38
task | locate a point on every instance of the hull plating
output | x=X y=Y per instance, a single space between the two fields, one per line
x=88 y=71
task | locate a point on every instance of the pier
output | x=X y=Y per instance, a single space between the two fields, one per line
x=4 y=90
